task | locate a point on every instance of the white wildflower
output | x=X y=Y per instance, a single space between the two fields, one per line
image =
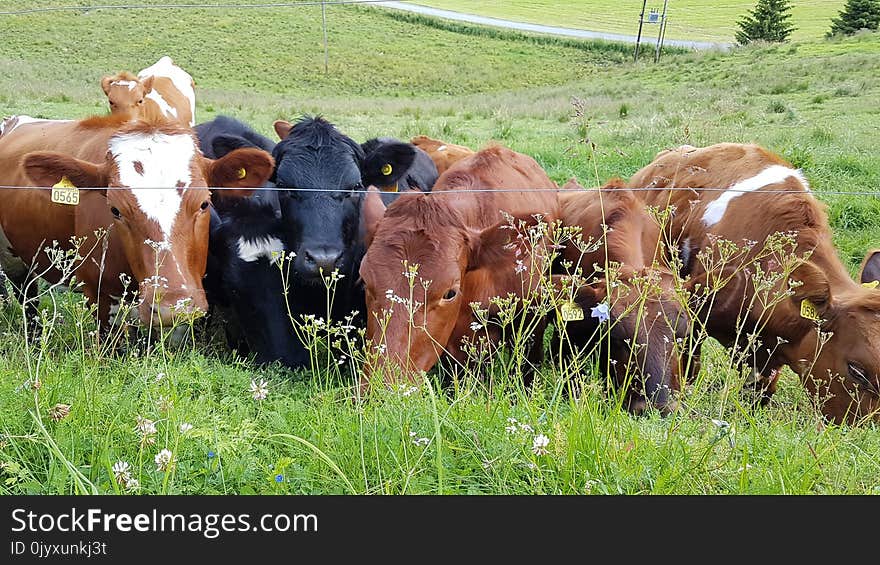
x=539 y=444
x=185 y=427
x=260 y=391
x=164 y=460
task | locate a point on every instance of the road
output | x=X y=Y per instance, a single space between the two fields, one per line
x=551 y=30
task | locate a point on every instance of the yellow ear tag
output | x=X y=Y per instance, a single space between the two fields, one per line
x=809 y=310
x=571 y=312
x=872 y=284
x=393 y=188
x=242 y=173
x=386 y=169
x=65 y=192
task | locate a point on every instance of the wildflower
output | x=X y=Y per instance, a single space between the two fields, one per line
x=526 y=428
x=164 y=460
x=164 y=404
x=721 y=424
x=121 y=472
x=147 y=430
x=419 y=440
x=279 y=478
x=211 y=454
x=511 y=427
x=601 y=312
x=185 y=427
x=59 y=412
x=539 y=444
x=476 y=326
x=261 y=390
x=406 y=390
x=132 y=484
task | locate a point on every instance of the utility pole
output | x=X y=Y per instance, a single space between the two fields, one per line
x=639 y=36
x=661 y=32
x=324 y=24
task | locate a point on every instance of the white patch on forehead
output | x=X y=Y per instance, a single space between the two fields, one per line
x=771 y=175
x=164 y=107
x=165 y=162
x=182 y=80
x=129 y=83
x=251 y=250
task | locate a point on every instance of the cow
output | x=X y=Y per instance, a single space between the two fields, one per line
x=443 y=154
x=420 y=175
x=225 y=133
x=448 y=249
x=150 y=196
x=813 y=317
x=617 y=245
x=162 y=89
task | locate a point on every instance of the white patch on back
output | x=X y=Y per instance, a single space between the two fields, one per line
x=166 y=161
x=251 y=250
x=164 y=107
x=12 y=122
x=182 y=80
x=441 y=148
x=771 y=175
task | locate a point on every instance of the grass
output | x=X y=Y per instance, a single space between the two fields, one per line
x=700 y=20
x=580 y=110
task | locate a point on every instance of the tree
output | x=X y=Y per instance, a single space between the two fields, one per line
x=768 y=21
x=856 y=15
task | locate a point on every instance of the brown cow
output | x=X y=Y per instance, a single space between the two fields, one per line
x=458 y=241
x=443 y=154
x=161 y=90
x=843 y=373
x=155 y=206
x=619 y=247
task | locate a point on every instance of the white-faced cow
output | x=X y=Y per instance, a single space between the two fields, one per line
x=763 y=195
x=162 y=89
x=151 y=198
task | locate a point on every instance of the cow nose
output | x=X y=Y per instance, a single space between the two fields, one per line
x=322 y=259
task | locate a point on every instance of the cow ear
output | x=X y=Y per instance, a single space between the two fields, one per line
x=372 y=212
x=387 y=164
x=870 y=271
x=490 y=248
x=810 y=284
x=47 y=168
x=105 y=84
x=282 y=128
x=241 y=170
x=226 y=143
x=147 y=84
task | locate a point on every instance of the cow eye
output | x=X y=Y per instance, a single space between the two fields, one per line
x=115 y=211
x=204 y=205
x=450 y=294
x=860 y=375
x=141 y=101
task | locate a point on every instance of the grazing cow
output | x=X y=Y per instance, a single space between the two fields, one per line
x=458 y=240
x=154 y=207
x=812 y=296
x=648 y=325
x=162 y=89
x=443 y=154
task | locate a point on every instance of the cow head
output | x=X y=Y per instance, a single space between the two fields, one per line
x=157 y=206
x=322 y=215
x=642 y=329
x=245 y=269
x=843 y=373
x=126 y=92
x=414 y=271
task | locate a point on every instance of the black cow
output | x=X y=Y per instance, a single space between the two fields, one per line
x=223 y=134
x=421 y=175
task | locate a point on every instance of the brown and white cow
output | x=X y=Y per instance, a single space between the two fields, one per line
x=153 y=203
x=161 y=90
x=843 y=373
x=619 y=248
x=443 y=154
x=459 y=242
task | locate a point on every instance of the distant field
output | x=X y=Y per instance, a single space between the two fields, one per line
x=707 y=20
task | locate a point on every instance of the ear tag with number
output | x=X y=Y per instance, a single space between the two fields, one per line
x=571 y=312
x=241 y=173
x=65 y=192
x=872 y=284
x=809 y=310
